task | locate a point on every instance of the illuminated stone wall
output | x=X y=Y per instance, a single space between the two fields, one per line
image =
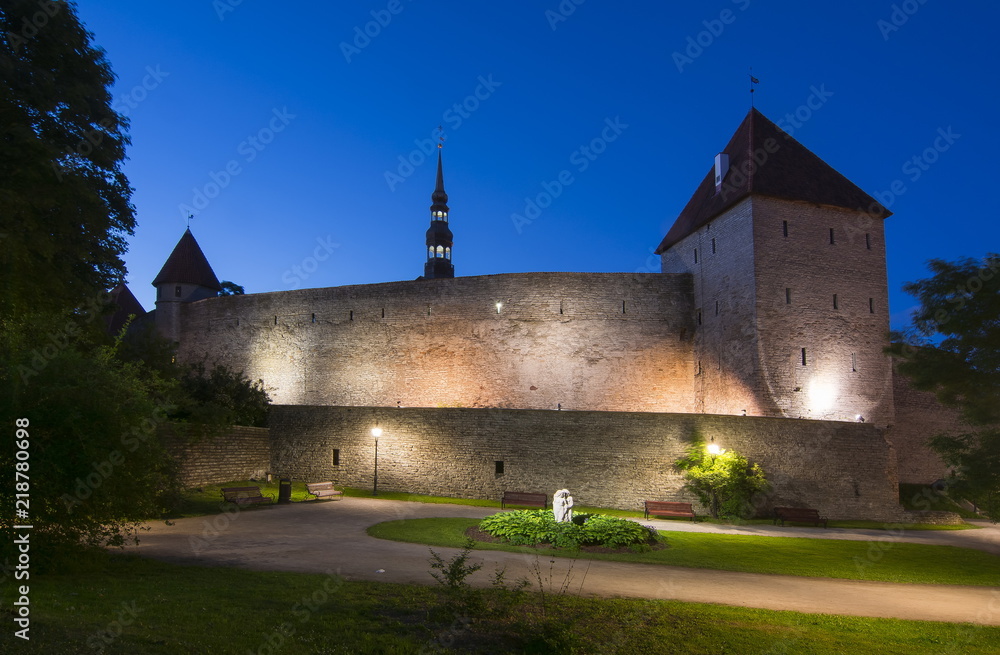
x=600 y=341
x=607 y=459
x=239 y=454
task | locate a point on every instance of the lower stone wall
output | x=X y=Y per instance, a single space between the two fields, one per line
x=606 y=459
x=239 y=454
x=919 y=416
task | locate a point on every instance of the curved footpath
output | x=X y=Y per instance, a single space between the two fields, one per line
x=329 y=537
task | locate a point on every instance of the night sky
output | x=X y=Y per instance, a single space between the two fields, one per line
x=287 y=131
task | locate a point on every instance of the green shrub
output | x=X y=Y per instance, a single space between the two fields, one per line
x=532 y=527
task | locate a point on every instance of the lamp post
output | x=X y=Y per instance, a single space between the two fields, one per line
x=376 y=432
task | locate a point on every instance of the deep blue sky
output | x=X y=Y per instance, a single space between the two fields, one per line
x=217 y=74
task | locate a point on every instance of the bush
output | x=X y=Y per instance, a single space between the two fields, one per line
x=532 y=527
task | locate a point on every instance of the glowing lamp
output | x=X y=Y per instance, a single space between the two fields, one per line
x=376 y=432
x=713 y=449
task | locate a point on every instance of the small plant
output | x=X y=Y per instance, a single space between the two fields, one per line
x=725 y=482
x=454 y=572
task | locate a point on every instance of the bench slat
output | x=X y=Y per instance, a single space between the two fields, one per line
x=524 y=498
x=664 y=508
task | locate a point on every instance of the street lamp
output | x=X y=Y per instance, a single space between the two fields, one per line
x=376 y=432
x=713 y=448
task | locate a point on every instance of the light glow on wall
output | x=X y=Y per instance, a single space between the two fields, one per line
x=822 y=395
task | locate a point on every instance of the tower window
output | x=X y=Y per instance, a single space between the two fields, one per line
x=498 y=468
x=350 y=315
x=868 y=241
x=788 y=296
x=695 y=255
x=699 y=317
x=336 y=456
x=447 y=253
x=804 y=357
x=784 y=228
x=716 y=307
x=275 y=320
x=314 y=318
x=854 y=361
x=560 y=307
x=177 y=292
x=871 y=305
x=383 y=312
x=836 y=305
x=440 y=251
x=831 y=236
x=713 y=246
x=430 y=252
x=623 y=307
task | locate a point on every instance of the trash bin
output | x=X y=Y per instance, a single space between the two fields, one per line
x=285 y=490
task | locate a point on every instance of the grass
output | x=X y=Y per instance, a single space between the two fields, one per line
x=126 y=605
x=829 y=558
x=205 y=500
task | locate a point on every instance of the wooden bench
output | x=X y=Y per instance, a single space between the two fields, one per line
x=798 y=515
x=659 y=508
x=323 y=490
x=245 y=496
x=521 y=498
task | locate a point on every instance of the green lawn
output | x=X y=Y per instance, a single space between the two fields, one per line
x=142 y=607
x=830 y=558
x=207 y=499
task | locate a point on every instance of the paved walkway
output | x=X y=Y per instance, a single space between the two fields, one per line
x=318 y=537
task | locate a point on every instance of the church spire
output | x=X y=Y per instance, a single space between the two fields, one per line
x=439 y=237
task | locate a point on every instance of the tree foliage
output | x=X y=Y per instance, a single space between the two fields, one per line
x=231 y=289
x=220 y=397
x=953 y=350
x=65 y=208
x=724 y=483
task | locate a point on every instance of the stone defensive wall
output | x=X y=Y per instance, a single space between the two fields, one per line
x=596 y=341
x=241 y=453
x=606 y=459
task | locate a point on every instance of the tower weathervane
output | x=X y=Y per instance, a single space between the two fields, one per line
x=753 y=80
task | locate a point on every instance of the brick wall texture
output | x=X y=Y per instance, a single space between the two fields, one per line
x=240 y=454
x=919 y=416
x=607 y=459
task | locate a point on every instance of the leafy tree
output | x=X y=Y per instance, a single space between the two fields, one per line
x=953 y=350
x=725 y=483
x=230 y=289
x=220 y=397
x=65 y=208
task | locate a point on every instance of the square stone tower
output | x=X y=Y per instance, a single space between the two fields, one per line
x=788 y=260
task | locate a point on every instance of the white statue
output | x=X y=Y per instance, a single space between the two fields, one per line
x=562 y=506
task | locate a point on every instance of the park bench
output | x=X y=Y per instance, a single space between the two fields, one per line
x=798 y=515
x=323 y=490
x=660 y=508
x=522 y=498
x=245 y=496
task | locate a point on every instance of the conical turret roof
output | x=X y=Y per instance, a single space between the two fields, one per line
x=187 y=265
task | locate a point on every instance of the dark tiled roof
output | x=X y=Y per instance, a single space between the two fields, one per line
x=784 y=168
x=125 y=305
x=187 y=264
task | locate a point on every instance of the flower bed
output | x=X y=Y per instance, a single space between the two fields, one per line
x=537 y=527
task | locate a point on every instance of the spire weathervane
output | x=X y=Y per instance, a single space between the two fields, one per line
x=753 y=80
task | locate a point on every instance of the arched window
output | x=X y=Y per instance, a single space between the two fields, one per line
x=440 y=251
x=430 y=252
x=447 y=253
